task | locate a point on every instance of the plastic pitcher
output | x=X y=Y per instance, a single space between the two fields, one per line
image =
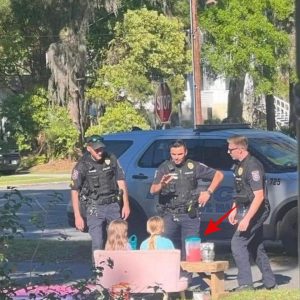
x=193 y=248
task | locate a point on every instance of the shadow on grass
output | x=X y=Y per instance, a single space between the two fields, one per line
x=37 y=250
x=49 y=261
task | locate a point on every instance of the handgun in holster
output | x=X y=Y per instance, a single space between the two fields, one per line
x=119 y=197
x=192 y=207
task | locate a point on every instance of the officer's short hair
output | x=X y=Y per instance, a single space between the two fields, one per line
x=239 y=140
x=177 y=144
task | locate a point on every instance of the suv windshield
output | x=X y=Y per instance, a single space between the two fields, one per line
x=276 y=153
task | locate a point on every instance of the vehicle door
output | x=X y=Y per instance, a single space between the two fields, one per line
x=214 y=154
x=141 y=171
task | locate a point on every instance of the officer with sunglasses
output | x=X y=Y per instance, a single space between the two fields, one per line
x=252 y=210
x=98 y=184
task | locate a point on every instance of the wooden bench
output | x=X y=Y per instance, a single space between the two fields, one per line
x=215 y=278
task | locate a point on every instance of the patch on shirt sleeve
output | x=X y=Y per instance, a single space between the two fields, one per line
x=255 y=175
x=74 y=174
x=190 y=165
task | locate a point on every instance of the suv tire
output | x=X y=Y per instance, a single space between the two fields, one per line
x=289 y=232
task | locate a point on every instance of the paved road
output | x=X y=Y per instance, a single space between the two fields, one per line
x=49 y=202
x=285 y=268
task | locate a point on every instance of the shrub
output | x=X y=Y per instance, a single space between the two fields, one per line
x=60 y=135
x=32 y=160
x=26 y=116
x=119 y=118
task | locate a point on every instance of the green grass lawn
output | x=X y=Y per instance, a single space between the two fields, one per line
x=19 y=250
x=24 y=179
x=278 y=294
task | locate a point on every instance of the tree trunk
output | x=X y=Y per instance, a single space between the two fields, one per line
x=270 y=111
x=235 y=104
x=292 y=114
x=249 y=113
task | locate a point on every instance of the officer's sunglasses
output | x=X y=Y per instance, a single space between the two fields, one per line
x=94 y=139
x=232 y=149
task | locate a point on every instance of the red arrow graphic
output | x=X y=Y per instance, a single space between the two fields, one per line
x=213 y=226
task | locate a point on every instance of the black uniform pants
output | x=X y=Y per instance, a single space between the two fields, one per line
x=98 y=217
x=178 y=227
x=245 y=245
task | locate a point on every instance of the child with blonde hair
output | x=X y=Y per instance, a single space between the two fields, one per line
x=155 y=227
x=117 y=238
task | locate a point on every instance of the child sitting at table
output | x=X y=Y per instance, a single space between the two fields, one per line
x=117 y=238
x=155 y=227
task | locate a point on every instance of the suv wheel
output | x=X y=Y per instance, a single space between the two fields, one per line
x=289 y=232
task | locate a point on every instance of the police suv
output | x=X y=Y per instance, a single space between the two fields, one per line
x=141 y=152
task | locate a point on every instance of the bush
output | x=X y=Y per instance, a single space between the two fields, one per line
x=60 y=135
x=26 y=116
x=122 y=117
x=29 y=161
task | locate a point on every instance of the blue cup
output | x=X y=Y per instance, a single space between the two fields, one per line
x=132 y=240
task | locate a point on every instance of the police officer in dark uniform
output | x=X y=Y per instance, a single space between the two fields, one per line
x=252 y=210
x=176 y=181
x=98 y=182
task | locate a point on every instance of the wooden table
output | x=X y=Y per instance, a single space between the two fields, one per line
x=215 y=278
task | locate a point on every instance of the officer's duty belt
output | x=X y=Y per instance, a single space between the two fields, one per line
x=109 y=200
x=178 y=210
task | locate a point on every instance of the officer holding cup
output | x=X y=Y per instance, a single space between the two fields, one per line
x=176 y=182
x=98 y=183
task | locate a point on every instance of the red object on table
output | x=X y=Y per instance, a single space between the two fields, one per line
x=194 y=254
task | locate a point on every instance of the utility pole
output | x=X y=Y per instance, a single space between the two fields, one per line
x=195 y=35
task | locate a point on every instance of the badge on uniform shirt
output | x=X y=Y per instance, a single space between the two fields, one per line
x=240 y=171
x=255 y=175
x=107 y=161
x=75 y=174
x=190 y=165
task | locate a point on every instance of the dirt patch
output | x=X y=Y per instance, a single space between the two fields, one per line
x=55 y=166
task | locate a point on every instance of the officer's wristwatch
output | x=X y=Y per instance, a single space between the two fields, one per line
x=210 y=192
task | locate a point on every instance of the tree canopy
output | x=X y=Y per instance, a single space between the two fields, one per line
x=107 y=51
x=147 y=47
x=247 y=37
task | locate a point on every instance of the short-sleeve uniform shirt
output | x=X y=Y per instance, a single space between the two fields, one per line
x=201 y=171
x=255 y=174
x=87 y=164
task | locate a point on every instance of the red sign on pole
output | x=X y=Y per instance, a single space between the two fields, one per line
x=163 y=103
